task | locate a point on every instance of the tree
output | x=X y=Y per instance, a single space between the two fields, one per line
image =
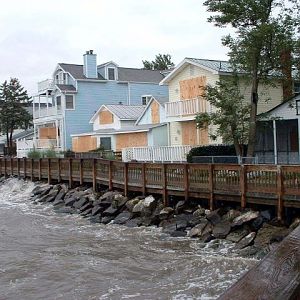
x=264 y=31
x=13 y=115
x=231 y=113
x=161 y=62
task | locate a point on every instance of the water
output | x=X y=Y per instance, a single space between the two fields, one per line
x=45 y=255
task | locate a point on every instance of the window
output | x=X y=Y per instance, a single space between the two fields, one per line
x=65 y=78
x=146 y=99
x=58 y=101
x=70 y=102
x=298 y=107
x=111 y=74
x=296 y=87
x=105 y=143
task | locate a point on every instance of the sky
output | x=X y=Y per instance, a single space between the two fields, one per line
x=35 y=35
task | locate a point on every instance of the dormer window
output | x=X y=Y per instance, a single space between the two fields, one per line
x=146 y=99
x=111 y=73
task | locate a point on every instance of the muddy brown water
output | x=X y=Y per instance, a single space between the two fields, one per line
x=45 y=255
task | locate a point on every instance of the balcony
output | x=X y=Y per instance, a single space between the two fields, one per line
x=25 y=146
x=186 y=108
x=46 y=144
x=47 y=112
x=45 y=85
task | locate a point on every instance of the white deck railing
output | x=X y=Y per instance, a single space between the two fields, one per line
x=45 y=85
x=46 y=112
x=159 y=154
x=46 y=143
x=186 y=107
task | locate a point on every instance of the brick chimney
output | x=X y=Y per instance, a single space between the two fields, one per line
x=90 y=64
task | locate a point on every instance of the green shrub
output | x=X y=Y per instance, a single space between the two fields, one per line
x=68 y=153
x=34 y=154
x=50 y=153
x=99 y=149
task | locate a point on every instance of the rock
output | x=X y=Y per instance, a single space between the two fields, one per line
x=165 y=213
x=138 y=208
x=111 y=211
x=199 y=212
x=42 y=199
x=246 y=241
x=107 y=219
x=97 y=210
x=123 y=217
x=131 y=203
x=86 y=206
x=257 y=223
x=41 y=190
x=248 y=251
x=207 y=237
x=150 y=202
x=198 y=229
x=81 y=202
x=267 y=232
x=196 y=220
x=231 y=215
x=87 y=212
x=133 y=222
x=236 y=235
x=119 y=201
x=70 y=201
x=295 y=224
x=108 y=196
x=95 y=219
x=266 y=214
x=60 y=196
x=214 y=217
x=178 y=233
x=58 y=202
x=244 y=218
x=221 y=230
x=179 y=207
x=65 y=210
x=52 y=195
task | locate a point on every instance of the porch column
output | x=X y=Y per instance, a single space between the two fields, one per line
x=275 y=142
x=169 y=133
x=39 y=105
x=47 y=103
x=56 y=129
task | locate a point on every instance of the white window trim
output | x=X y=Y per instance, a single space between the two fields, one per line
x=106 y=73
x=148 y=98
x=66 y=102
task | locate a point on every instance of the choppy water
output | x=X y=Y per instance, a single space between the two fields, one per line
x=45 y=255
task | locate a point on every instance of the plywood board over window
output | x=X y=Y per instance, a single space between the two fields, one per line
x=47 y=133
x=105 y=117
x=155 y=112
x=84 y=143
x=192 y=88
x=137 y=139
x=193 y=136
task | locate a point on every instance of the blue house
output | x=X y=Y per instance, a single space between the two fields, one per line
x=65 y=103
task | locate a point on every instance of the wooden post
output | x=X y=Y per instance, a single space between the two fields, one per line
x=126 y=179
x=164 y=185
x=18 y=167
x=94 y=175
x=280 y=190
x=80 y=171
x=211 y=186
x=40 y=169
x=5 y=167
x=59 y=170
x=31 y=169
x=24 y=167
x=70 y=173
x=110 y=185
x=11 y=167
x=186 y=182
x=49 y=171
x=144 y=179
x=243 y=182
x=1 y=166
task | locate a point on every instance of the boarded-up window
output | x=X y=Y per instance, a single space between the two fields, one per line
x=106 y=117
x=155 y=112
x=138 y=139
x=192 y=88
x=84 y=143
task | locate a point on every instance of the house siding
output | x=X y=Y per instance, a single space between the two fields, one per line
x=160 y=136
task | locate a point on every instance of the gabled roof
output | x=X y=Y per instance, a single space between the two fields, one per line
x=139 y=75
x=107 y=63
x=214 y=66
x=122 y=112
x=77 y=71
x=160 y=100
x=66 y=87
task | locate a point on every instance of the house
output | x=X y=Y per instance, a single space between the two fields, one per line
x=278 y=139
x=117 y=127
x=186 y=85
x=65 y=103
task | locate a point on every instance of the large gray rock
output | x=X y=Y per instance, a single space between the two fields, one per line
x=199 y=212
x=111 y=211
x=198 y=229
x=165 y=213
x=150 y=202
x=131 y=203
x=41 y=190
x=221 y=230
x=106 y=219
x=86 y=206
x=244 y=218
x=119 y=201
x=97 y=210
x=108 y=196
x=246 y=241
x=123 y=217
x=138 y=208
x=179 y=207
x=81 y=202
x=231 y=215
x=60 y=196
x=236 y=235
x=214 y=217
x=70 y=201
x=133 y=222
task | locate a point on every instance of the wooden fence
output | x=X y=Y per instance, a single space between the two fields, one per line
x=278 y=186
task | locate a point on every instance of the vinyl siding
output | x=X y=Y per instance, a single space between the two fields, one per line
x=90 y=63
x=160 y=136
x=147 y=118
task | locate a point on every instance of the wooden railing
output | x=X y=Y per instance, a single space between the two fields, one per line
x=260 y=184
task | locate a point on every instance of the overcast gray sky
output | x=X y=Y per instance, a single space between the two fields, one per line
x=37 y=34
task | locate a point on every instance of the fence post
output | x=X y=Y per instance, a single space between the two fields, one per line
x=186 y=182
x=94 y=175
x=144 y=179
x=18 y=167
x=211 y=186
x=80 y=171
x=280 y=190
x=40 y=169
x=126 y=179
x=31 y=169
x=70 y=173
x=110 y=185
x=59 y=170
x=49 y=171
x=24 y=166
x=11 y=167
x=243 y=182
x=164 y=185
x=1 y=159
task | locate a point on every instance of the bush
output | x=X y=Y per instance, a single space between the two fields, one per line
x=34 y=154
x=69 y=153
x=213 y=150
x=99 y=149
x=50 y=153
